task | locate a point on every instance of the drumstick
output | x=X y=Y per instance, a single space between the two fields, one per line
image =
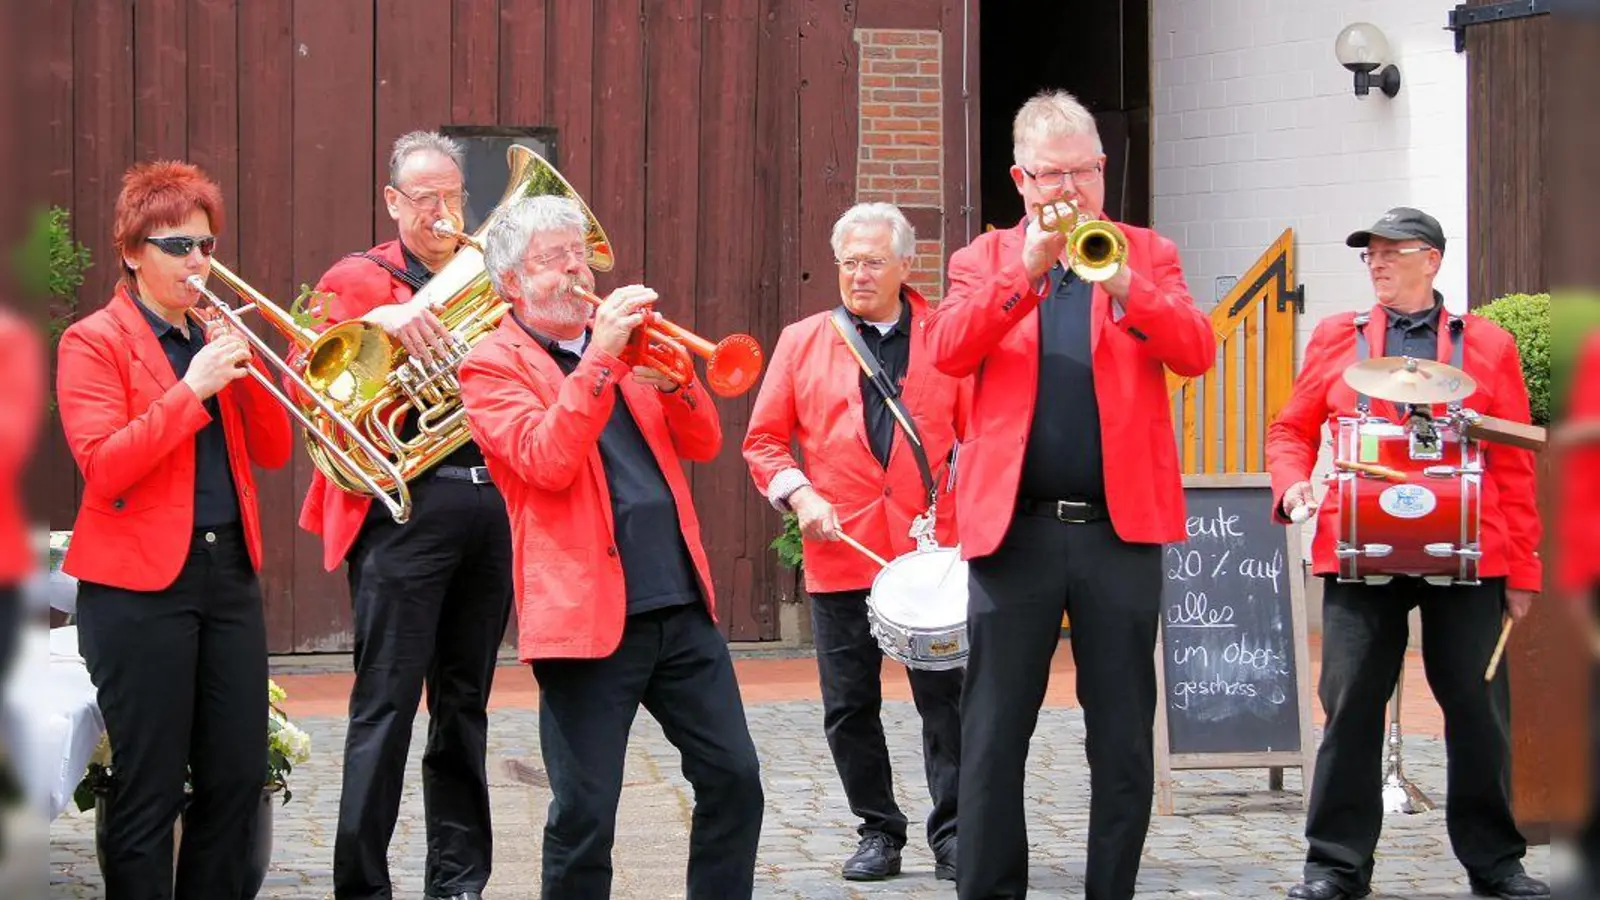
x=869 y=554
x=1371 y=469
x=1499 y=648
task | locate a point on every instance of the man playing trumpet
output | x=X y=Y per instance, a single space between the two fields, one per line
x=614 y=591
x=816 y=393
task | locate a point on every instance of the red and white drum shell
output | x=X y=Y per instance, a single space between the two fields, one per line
x=1426 y=526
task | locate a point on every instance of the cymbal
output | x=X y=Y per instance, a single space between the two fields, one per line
x=1402 y=379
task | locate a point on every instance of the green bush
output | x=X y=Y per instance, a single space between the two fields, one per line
x=1527 y=317
x=1573 y=317
x=790 y=551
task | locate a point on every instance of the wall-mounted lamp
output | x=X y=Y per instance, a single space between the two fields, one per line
x=1363 y=49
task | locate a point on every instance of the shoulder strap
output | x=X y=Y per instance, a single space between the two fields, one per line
x=869 y=363
x=400 y=275
x=1458 y=338
x=1363 y=404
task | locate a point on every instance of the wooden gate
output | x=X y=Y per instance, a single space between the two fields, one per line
x=1222 y=416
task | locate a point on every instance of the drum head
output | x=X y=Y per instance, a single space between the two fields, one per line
x=924 y=590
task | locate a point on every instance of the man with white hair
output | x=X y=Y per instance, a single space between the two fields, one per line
x=614 y=592
x=1069 y=487
x=872 y=489
x=431 y=596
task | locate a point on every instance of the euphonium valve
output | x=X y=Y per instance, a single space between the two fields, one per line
x=1096 y=248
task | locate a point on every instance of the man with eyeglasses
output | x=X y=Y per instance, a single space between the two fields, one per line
x=1364 y=626
x=432 y=596
x=815 y=393
x=614 y=590
x=1069 y=487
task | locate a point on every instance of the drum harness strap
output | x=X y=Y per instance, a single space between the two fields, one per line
x=1458 y=333
x=891 y=397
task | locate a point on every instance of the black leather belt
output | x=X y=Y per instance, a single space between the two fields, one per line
x=1075 y=511
x=474 y=474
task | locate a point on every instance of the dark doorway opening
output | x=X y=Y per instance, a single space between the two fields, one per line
x=1101 y=53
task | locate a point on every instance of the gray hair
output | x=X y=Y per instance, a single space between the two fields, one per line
x=1051 y=114
x=863 y=215
x=507 y=241
x=414 y=142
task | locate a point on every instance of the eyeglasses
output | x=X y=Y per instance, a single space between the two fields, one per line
x=579 y=252
x=873 y=265
x=1389 y=256
x=182 y=245
x=455 y=201
x=1052 y=181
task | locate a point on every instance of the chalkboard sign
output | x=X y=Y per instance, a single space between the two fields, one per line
x=1231 y=661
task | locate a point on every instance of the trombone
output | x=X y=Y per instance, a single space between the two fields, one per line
x=399 y=509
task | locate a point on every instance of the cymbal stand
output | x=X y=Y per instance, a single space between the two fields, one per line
x=1399 y=794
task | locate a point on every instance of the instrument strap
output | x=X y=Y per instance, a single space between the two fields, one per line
x=401 y=275
x=1363 y=404
x=1458 y=338
x=843 y=324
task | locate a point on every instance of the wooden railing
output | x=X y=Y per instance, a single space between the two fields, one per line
x=1222 y=416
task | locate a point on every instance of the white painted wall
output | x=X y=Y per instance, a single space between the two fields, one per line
x=1257 y=128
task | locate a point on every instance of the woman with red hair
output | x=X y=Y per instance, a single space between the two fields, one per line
x=165 y=426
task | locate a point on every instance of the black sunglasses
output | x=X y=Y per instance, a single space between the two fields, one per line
x=180 y=245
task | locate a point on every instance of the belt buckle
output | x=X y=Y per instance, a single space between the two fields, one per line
x=1061 y=511
x=480 y=475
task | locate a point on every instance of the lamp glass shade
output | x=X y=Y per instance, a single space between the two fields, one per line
x=1361 y=47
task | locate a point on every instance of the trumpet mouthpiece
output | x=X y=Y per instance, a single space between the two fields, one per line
x=196 y=282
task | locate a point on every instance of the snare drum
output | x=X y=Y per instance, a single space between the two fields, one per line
x=917 y=609
x=1426 y=525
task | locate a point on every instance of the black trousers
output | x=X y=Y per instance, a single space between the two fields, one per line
x=1364 y=635
x=850 y=665
x=1112 y=591
x=675 y=663
x=432 y=598
x=181 y=677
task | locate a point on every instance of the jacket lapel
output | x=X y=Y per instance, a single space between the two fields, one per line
x=141 y=340
x=842 y=366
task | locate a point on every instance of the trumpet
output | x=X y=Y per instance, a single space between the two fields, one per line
x=732 y=364
x=1096 y=248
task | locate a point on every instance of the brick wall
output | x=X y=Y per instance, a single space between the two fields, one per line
x=1257 y=128
x=901 y=145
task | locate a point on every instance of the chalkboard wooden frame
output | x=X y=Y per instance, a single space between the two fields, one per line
x=1305 y=757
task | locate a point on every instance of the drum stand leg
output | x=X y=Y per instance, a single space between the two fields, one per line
x=1399 y=794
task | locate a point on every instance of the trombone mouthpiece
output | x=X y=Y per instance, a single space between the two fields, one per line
x=196 y=282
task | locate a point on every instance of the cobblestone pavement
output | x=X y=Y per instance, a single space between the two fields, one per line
x=1232 y=837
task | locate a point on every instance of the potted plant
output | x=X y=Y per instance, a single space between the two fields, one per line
x=286 y=746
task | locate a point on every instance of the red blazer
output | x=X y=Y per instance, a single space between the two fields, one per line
x=131 y=425
x=812 y=391
x=21 y=407
x=1510 y=520
x=1579 y=497
x=988 y=324
x=358 y=285
x=539 y=431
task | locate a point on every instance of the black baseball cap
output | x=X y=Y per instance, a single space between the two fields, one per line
x=1401 y=224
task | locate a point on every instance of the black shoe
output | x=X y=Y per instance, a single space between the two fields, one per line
x=1321 y=889
x=464 y=895
x=1520 y=886
x=944 y=862
x=877 y=858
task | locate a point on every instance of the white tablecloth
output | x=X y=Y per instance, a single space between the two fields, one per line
x=50 y=704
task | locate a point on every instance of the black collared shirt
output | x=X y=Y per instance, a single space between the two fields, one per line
x=1063 y=458
x=656 y=567
x=1414 y=334
x=215 y=501
x=892 y=347
x=467 y=455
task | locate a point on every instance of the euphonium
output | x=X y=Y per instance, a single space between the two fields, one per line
x=1096 y=248
x=361 y=389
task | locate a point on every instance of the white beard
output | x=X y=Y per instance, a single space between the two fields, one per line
x=558 y=312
